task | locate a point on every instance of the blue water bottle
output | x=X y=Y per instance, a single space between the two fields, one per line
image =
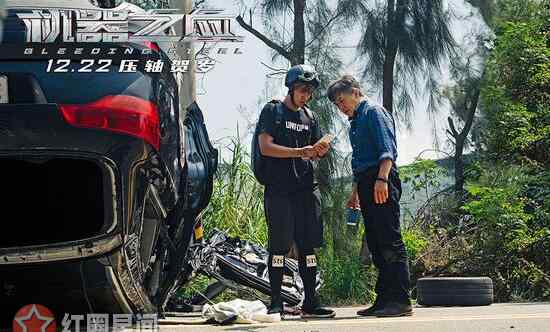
x=353 y=216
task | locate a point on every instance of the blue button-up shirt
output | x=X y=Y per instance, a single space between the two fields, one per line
x=372 y=137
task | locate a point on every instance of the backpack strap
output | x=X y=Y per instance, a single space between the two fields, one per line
x=314 y=124
x=279 y=112
x=309 y=114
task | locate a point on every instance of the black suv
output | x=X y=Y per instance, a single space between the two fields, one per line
x=104 y=175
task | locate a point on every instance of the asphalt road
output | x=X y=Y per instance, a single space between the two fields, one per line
x=524 y=317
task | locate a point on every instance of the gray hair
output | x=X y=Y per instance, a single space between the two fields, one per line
x=343 y=85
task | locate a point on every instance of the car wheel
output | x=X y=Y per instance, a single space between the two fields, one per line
x=455 y=291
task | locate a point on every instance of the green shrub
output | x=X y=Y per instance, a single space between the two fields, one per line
x=415 y=242
x=511 y=228
x=346 y=280
x=236 y=205
x=424 y=175
x=515 y=96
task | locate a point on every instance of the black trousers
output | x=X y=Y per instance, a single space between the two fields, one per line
x=383 y=235
x=293 y=217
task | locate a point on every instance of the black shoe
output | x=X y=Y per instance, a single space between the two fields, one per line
x=394 y=309
x=317 y=312
x=378 y=305
x=275 y=309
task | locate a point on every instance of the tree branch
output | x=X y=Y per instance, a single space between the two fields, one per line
x=471 y=114
x=431 y=150
x=263 y=38
x=452 y=127
x=322 y=31
x=451 y=137
x=282 y=70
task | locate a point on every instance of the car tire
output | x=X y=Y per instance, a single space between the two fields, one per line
x=455 y=291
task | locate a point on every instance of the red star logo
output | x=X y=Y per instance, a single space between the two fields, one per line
x=34 y=318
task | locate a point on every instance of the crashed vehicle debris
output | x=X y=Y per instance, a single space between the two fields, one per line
x=240 y=265
x=104 y=176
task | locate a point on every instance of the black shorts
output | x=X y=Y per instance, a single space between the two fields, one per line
x=293 y=217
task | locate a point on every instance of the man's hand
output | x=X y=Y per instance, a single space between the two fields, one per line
x=381 y=187
x=353 y=201
x=308 y=152
x=380 y=192
x=321 y=148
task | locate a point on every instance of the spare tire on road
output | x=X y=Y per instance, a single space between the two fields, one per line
x=454 y=291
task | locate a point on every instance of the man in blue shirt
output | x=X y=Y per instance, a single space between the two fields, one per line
x=376 y=190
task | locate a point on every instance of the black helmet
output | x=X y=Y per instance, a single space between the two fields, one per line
x=302 y=73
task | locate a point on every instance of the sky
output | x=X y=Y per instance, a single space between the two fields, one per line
x=231 y=95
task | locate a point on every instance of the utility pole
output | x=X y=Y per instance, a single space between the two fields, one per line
x=187 y=87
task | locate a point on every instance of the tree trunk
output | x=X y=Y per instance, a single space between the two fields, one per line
x=299 y=49
x=459 y=165
x=186 y=81
x=460 y=140
x=390 y=53
x=388 y=79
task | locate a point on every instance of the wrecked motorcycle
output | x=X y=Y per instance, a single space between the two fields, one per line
x=240 y=265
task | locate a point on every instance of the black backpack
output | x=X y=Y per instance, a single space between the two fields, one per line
x=257 y=160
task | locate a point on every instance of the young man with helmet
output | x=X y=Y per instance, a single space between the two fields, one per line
x=288 y=137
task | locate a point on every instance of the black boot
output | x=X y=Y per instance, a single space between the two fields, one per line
x=395 y=309
x=311 y=307
x=276 y=306
x=377 y=305
x=316 y=311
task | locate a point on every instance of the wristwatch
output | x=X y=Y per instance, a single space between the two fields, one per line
x=381 y=179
